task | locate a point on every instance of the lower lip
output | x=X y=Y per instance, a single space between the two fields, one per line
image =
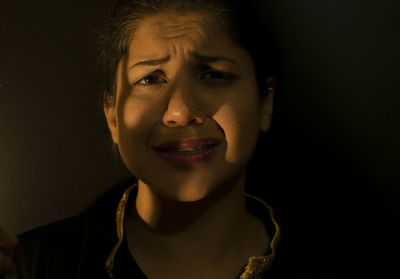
x=188 y=158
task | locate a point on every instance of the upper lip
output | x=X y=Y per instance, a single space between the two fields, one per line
x=186 y=144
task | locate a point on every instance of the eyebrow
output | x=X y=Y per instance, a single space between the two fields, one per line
x=210 y=59
x=200 y=57
x=152 y=62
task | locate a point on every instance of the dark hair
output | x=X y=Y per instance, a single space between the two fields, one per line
x=241 y=19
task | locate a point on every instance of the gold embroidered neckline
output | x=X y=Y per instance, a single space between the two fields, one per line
x=254 y=269
x=120 y=214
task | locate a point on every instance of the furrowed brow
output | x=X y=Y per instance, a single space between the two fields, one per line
x=154 y=62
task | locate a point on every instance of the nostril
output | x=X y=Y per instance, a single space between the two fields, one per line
x=171 y=122
x=196 y=120
x=179 y=116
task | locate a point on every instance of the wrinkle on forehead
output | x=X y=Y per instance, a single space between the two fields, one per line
x=177 y=35
x=194 y=27
x=191 y=28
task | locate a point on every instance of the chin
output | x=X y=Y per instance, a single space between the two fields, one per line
x=189 y=195
x=192 y=188
x=189 y=184
x=182 y=191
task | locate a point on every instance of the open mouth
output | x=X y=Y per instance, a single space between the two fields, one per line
x=192 y=150
x=187 y=151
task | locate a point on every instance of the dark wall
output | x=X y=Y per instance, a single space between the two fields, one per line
x=331 y=170
x=54 y=147
x=340 y=83
x=334 y=145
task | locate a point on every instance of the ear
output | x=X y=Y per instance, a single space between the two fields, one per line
x=111 y=116
x=266 y=103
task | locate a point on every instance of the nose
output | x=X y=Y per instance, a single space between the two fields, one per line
x=183 y=108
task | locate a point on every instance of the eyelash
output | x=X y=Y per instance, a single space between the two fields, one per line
x=219 y=77
x=155 y=75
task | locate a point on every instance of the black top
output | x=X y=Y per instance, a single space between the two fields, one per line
x=78 y=247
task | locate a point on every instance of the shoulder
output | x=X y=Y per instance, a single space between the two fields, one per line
x=43 y=251
x=73 y=246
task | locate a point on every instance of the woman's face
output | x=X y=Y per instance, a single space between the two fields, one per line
x=188 y=111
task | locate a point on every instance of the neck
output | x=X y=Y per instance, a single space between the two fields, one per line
x=217 y=231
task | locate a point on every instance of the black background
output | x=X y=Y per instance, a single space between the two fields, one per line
x=329 y=165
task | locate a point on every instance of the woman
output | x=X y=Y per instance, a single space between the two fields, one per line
x=188 y=87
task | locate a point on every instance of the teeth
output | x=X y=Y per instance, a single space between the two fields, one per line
x=192 y=150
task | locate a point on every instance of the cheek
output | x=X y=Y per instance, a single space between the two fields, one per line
x=135 y=118
x=239 y=121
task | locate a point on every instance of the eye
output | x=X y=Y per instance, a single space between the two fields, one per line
x=218 y=76
x=152 y=79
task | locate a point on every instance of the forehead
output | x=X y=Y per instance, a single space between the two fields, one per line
x=166 y=33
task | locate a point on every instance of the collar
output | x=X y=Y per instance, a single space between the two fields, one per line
x=256 y=265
